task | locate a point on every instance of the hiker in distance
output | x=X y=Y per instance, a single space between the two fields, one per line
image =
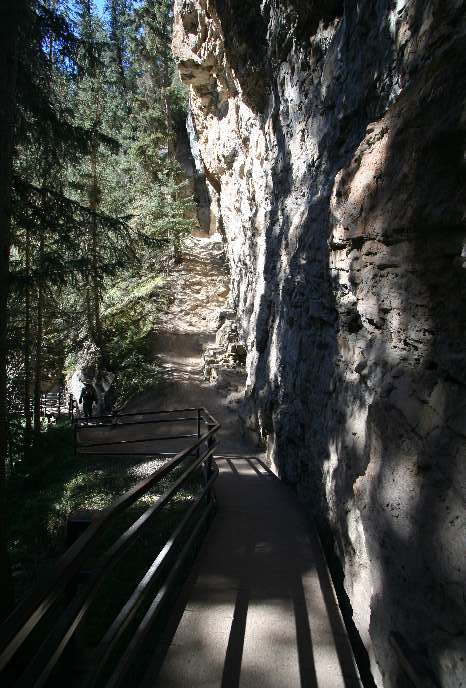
x=88 y=398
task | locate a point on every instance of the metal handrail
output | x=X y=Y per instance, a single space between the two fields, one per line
x=119 y=675
x=160 y=438
x=25 y=619
x=116 y=424
x=121 y=414
x=202 y=416
x=117 y=628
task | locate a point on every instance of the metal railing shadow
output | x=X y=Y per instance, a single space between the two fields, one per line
x=39 y=633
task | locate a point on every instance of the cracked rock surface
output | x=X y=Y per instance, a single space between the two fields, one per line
x=333 y=136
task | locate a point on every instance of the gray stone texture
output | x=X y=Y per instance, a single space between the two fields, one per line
x=333 y=139
x=187 y=156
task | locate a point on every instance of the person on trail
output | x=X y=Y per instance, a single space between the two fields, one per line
x=88 y=398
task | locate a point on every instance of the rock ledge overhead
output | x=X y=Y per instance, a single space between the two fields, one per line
x=333 y=139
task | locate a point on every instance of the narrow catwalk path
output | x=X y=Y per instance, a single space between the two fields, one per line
x=258 y=609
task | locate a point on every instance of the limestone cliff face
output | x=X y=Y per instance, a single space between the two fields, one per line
x=333 y=140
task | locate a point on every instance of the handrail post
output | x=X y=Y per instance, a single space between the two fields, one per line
x=76 y=524
x=73 y=655
x=210 y=444
x=198 y=431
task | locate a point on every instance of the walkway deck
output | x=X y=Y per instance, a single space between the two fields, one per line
x=258 y=610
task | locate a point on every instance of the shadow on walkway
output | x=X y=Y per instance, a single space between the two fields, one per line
x=258 y=608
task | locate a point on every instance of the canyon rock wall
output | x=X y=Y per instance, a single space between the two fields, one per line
x=187 y=155
x=333 y=139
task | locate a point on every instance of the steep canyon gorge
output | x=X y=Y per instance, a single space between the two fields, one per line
x=332 y=138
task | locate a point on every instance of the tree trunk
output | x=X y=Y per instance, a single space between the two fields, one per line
x=171 y=146
x=98 y=338
x=88 y=297
x=94 y=203
x=115 y=37
x=42 y=283
x=39 y=343
x=94 y=200
x=12 y=14
x=27 y=351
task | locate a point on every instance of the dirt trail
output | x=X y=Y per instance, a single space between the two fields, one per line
x=198 y=291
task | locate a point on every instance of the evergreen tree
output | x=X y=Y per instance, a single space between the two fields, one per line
x=162 y=202
x=13 y=21
x=45 y=138
x=120 y=20
x=99 y=196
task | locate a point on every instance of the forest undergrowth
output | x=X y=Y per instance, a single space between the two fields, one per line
x=41 y=496
x=131 y=312
x=100 y=203
x=39 y=505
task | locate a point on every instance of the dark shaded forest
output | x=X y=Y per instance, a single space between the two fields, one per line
x=93 y=208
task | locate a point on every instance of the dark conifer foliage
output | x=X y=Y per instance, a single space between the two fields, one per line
x=92 y=200
x=13 y=24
